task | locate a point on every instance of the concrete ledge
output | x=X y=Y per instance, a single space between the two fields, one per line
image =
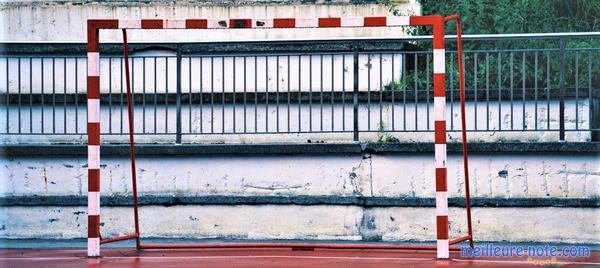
x=361 y=201
x=304 y=148
x=320 y=222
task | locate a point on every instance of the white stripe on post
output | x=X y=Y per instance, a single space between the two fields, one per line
x=307 y=23
x=439 y=108
x=93 y=63
x=440 y=155
x=175 y=24
x=93 y=107
x=93 y=247
x=93 y=203
x=398 y=21
x=441 y=203
x=130 y=24
x=352 y=22
x=439 y=61
x=217 y=24
x=442 y=248
x=93 y=156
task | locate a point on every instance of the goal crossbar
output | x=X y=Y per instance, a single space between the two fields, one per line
x=443 y=245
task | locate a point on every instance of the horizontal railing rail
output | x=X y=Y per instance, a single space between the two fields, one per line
x=307 y=86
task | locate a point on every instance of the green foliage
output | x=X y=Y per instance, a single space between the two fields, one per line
x=520 y=16
x=410 y=81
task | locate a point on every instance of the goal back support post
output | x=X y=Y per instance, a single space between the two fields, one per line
x=443 y=245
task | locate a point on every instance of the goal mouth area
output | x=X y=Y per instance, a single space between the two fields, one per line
x=444 y=244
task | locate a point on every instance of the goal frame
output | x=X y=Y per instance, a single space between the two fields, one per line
x=437 y=22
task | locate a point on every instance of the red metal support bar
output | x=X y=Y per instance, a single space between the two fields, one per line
x=119 y=238
x=131 y=141
x=460 y=239
x=463 y=120
x=291 y=245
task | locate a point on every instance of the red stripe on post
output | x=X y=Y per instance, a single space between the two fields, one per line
x=438 y=33
x=93 y=130
x=442 y=227
x=93 y=180
x=375 y=21
x=240 y=23
x=106 y=24
x=441 y=183
x=330 y=22
x=196 y=24
x=439 y=85
x=420 y=20
x=92 y=37
x=93 y=226
x=284 y=23
x=438 y=27
x=440 y=132
x=152 y=24
x=93 y=87
x=92 y=32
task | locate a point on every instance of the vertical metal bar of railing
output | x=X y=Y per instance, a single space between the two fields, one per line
x=31 y=96
x=594 y=107
x=355 y=97
x=8 y=97
x=576 y=90
x=64 y=94
x=561 y=96
x=343 y=92
x=76 y=96
x=276 y=94
x=369 y=66
x=178 y=100
x=299 y=93
x=42 y=94
x=392 y=88
x=19 y=91
x=233 y=80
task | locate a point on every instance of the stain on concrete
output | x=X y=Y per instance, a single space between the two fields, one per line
x=368 y=228
x=503 y=173
x=53 y=220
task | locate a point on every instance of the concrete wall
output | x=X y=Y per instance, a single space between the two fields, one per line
x=66 y=20
x=369 y=175
x=307 y=222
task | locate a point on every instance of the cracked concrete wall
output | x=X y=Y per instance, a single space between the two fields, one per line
x=568 y=225
x=400 y=175
x=492 y=175
x=66 y=20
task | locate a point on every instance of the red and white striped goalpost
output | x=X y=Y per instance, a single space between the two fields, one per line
x=439 y=79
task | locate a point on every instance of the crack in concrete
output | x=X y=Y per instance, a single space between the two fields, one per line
x=273 y=187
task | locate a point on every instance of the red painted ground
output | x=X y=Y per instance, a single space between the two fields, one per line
x=265 y=258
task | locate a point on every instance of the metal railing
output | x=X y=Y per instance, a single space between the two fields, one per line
x=306 y=87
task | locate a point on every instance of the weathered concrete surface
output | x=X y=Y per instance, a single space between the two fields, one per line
x=201 y=123
x=411 y=175
x=66 y=20
x=372 y=175
x=569 y=225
